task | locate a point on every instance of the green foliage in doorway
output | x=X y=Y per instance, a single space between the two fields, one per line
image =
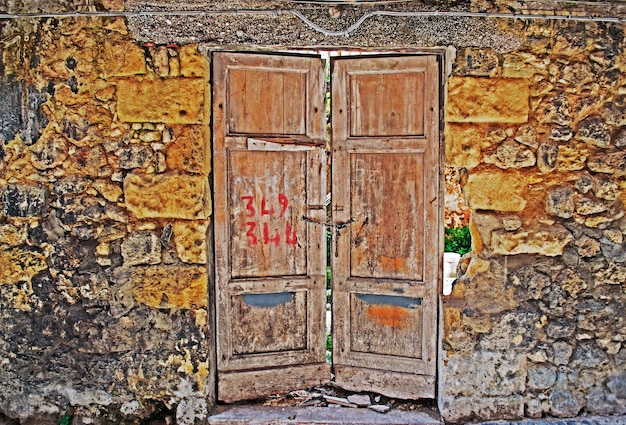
x=457 y=240
x=65 y=420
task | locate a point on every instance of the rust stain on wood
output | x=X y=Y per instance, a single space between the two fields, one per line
x=390 y=264
x=389 y=315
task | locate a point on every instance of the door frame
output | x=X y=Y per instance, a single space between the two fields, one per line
x=445 y=57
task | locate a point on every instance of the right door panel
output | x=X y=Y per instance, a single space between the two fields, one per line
x=385 y=179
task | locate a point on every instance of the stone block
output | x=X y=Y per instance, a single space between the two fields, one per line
x=90 y=161
x=554 y=108
x=192 y=63
x=589 y=355
x=547 y=154
x=485 y=374
x=523 y=65
x=595 y=131
x=141 y=248
x=496 y=191
x=481 y=225
x=563 y=404
x=571 y=157
x=541 y=376
x=548 y=241
x=560 y=202
x=476 y=62
x=123 y=58
x=170 y=100
x=562 y=353
x=191 y=241
x=168 y=195
x=12 y=234
x=511 y=330
x=135 y=156
x=609 y=163
x=24 y=201
x=617 y=385
x=20 y=264
x=171 y=286
x=50 y=153
x=526 y=135
x=511 y=154
x=188 y=150
x=620 y=138
x=464 y=144
x=496 y=100
x=487 y=293
x=109 y=191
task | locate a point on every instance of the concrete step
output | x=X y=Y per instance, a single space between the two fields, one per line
x=266 y=415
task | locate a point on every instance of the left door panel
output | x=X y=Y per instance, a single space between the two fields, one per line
x=269 y=173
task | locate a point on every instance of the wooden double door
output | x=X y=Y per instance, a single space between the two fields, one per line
x=271 y=223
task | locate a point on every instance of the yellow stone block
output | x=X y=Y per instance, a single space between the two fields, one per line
x=192 y=63
x=495 y=191
x=191 y=241
x=13 y=234
x=168 y=195
x=523 y=65
x=464 y=144
x=19 y=265
x=476 y=267
x=548 y=241
x=495 y=100
x=171 y=286
x=123 y=58
x=188 y=151
x=109 y=191
x=169 y=100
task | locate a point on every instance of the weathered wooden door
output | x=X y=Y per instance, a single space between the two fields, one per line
x=269 y=169
x=385 y=165
x=269 y=172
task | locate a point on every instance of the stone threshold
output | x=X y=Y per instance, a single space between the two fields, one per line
x=270 y=415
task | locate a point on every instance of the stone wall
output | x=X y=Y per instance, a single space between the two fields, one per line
x=104 y=217
x=535 y=326
x=105 y=212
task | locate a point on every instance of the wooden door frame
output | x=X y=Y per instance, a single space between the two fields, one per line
x=445 y=56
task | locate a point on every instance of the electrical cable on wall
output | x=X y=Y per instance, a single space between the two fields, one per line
x=313 y=25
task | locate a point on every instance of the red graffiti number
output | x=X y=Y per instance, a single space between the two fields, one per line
x=266 y=210
x=249 y=201
x=252 y=239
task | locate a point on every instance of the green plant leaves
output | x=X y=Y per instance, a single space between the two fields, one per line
x=457 y=240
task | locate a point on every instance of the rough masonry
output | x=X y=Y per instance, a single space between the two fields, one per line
x=105 y=207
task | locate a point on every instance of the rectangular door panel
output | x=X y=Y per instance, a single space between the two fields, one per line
x=387 y=204
x=401 y=111
x=269 y=323
x=267 y=101
x=267 y=195
x=386 y=324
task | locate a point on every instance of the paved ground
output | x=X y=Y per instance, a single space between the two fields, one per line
x=257 y=415
x=267 y=415
x=590 y=420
